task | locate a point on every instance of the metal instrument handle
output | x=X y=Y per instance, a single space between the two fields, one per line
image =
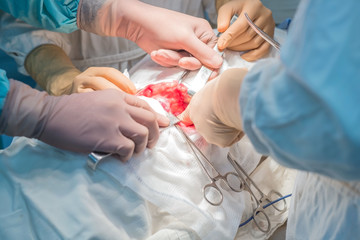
x=94 y=159
x=204 y=73
x=262 y=34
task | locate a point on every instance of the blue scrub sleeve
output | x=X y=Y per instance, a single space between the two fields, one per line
x=4 y=88
x=303 y=109
x=53 y=15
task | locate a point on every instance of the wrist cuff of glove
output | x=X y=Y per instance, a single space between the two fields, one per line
x=104 y=17
x=25 y=111
x=51 y=68
x=87 y=12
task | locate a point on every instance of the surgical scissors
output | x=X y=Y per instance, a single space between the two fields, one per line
x=263 y=201
x=211 y=192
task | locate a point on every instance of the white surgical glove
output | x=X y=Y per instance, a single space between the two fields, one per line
x=240 y=36
x=215 y=109
x=153 y=28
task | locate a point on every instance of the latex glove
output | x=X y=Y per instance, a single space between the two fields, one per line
x=171 y=58
x=106 y=121
x=100 y=78
x=240 y=36
x=53 y=70
x=215 y=109
x=153 y=28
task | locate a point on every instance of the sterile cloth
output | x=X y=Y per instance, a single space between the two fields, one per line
x=51 y=194
x=47 y=193
x=324 y=208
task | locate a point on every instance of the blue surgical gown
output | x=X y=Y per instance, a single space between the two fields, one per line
x=303 y=108
x=52 y=15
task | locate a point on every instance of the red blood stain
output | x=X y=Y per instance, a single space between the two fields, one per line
x=172 y=96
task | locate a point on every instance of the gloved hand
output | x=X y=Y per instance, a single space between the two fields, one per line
x=100 y=78
x=105 y=121
x=153 y=28
x=240 y=36
x=215 y=109
x=53 y=70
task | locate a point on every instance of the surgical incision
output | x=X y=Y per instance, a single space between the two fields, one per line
x=172 y=95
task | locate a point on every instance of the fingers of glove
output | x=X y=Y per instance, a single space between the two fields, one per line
x=235 y=39
x=189 y=63
x=249 y=35
x=239 y=31
x=166 y=57
x=114 y=76
x=88 y=84
x=225 y=14
x=258 y=53
x=137 y=102
x=214 y=74
x=185 y=116
x=250 y=39
x=162 y=120
x=197 y=112
x=249 y=45
x=148 y=134
x=254 y=43
x=265 y=22
x=135 y=131
x=204 y=52
x=170 y=58
x=125 y=149
x=232 y=33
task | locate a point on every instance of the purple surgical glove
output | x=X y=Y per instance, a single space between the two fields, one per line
x=105 y=121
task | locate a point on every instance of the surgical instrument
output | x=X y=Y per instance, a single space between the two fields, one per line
x=265 y=206
x=262 y=34
x=95 y=158
x=263 y=201
x=211 y=192
x=204 y=73
x=183 y=76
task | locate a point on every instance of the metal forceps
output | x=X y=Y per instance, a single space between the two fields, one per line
x=262 y=34
x=262 y=202
x=211 y=192
x=183 y=76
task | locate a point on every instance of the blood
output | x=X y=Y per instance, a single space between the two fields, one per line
x=172 y=95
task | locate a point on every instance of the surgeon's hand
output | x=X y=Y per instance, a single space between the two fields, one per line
x=240 y=36
x=53 y=70
x=106 y=121
x=100 y=78
x=215 y=109
x=189 y=39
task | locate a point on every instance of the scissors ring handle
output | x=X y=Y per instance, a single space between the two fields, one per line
x=213 y=194
x=278 y=197
x=264 y=229
x=234 y=181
